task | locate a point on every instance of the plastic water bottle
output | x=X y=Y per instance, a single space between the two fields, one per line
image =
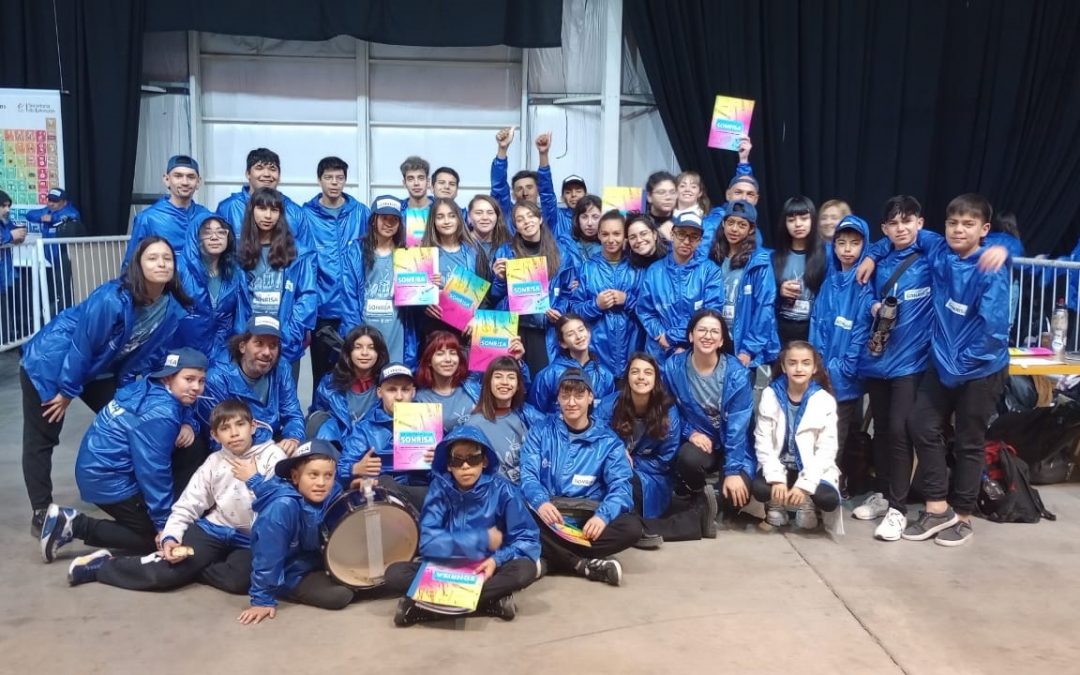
x=1059 y=328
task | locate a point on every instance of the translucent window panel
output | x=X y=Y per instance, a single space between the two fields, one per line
x=495 y=53
x=300 y=147
x=577 y=67
x=258 y=88
x=164 y=131
x=456 y=93
x=467 y=151
x=644 y=146
x=216 y=43
x=575 y=142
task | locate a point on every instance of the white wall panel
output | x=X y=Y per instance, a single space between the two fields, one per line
x=467 y=151
x=279 y=89
x=452 y=93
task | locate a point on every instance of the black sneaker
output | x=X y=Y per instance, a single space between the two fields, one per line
x=607 y=570
x=957 y=535
x=709 y=510
x=930 y=524
x=649 y=541
x=503 y=608
x=37 y=521
x=407 y=613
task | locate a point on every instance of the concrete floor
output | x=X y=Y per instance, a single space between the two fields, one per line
x=747 y=601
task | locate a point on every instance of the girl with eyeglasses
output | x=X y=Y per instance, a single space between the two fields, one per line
x=210 y=274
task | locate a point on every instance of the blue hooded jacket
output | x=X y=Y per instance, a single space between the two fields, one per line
x=558 y=295
x=669 y=295
x=332 y=234
x=544 y=393
x=616 y=329
x=128 y=449
x=840 y=321
x=280 y=417
x=654 y=459
x=232 y=209
x=715 y=217
x=335 y=402
x=500 y=191
x=354 y=299
x=454 y=523
x=753 y=329
x=50 y=230
x=299 y=303
x=375 y=430
x=559 y=218
x=286 y=539
x=207 y=327
x=164 y=219
x=86 y=341
x=593 y=466
x=736 y=408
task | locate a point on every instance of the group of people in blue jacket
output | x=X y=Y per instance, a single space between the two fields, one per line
x=599 y=430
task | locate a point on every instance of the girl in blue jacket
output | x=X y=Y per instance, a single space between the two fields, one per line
x=369 y=283
x=346 y=393
x=119 y=332
x=489 y=227
x=575 y=351
x=583 y=242
x=286 y=537
x=472 y=516
x=645 y=243
x=212 y=277
x=124 y=464
x=446 y=232
x=715 y=398
x=280 y=278
x=749 y=286
x=606 y=296
x=502 y=414
x=799 y=266
x=443 y=377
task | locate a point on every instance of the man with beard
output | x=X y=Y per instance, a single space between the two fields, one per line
x=170 y=216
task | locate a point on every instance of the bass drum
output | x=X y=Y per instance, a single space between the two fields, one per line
x=363 y=532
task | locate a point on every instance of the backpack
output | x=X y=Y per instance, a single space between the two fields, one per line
x=1046 y=438
x=1006 y=495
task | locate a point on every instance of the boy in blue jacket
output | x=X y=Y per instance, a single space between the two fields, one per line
x=264 y=171
x=840 y=323
x=286 y=542
x=573 y=464
x=575 y=342
x=171 y=215
x=472 y=515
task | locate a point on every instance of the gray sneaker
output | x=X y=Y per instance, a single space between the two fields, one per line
x=930 y=524
x=806 y=516
x=957 y=535
x=776 y=515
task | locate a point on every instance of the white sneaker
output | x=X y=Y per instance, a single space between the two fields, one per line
x=892 y=527
x=873 y=508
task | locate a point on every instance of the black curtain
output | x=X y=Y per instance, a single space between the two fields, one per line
x=98 y=48
x=422 y=23
x=861 y=100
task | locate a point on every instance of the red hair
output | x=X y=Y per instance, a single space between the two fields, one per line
x=439 y=340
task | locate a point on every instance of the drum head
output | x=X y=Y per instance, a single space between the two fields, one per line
x=347 y=547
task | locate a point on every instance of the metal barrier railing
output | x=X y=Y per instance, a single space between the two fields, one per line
x=41 y=278
x=1037 y=285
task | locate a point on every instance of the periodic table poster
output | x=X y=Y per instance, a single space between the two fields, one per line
x=31 y=148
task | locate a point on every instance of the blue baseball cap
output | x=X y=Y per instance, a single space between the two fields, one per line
x=263 y=325
x=395 y=370
x=387 y=205
x=178 y=359
x=317 y=447
x=744 y=178
x=575 y=375
x=56 y=195
x=688 y=218
x=181 y=161
x=741 y=209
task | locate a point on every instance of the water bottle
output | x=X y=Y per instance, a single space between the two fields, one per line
x=1059 y=328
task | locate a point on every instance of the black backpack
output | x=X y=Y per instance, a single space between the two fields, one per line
x=1045 y=438
x=1006 y=495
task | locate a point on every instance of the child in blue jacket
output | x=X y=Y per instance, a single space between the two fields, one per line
x=575 y=343
x=286 y=538
x=472 y=515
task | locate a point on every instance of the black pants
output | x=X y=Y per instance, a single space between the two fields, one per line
x=322 y=356
x=825 y=496
x=847 y=416
x=130 y=529
x=535 y=343
x=413 y=494
x=891 y=402
x=788 y=330
x=509 y=577
x=214 y=562
x=40 y=437
x=317 y=589
x=681 y=522
x=973 y=402
x=564 y=556
x=692 y=465
x=186 y=461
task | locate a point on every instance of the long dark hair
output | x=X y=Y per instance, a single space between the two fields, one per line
x=282 y=244
x=343 y=374
x=657 y=423
x=501 y=234
x=465 y=238
x=228 y=256
x=371 y=239
x=721 y=248
x=650 y=185
x=549 y=248
x=727 y=346
x=815 y=249
x=821 y=374
x=134 y=281
x=486 y=404
x=640 y=261
x=580 y=208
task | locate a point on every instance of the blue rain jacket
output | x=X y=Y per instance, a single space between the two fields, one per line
x=375 y=430
x=299 y=302
x=164 y=219
x=128 y=449
x=50 y=230
x=454 y=523
x=544 y=393
x=559 y=218
x=558 y=295
x=279 y=418
x=83 y=343
x=337 y=404
x=670 y=293
x=332 y=236
x=208 y=326
x=594 y=466
x=232 y=210
x=615 y=331
x=736 y=409
x=753 y=329
x=353 y=298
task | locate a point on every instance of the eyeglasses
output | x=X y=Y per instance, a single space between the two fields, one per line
x=475 y=459
x=686 y=236
x=665 y=193
x=214 y=234
x=708 y=332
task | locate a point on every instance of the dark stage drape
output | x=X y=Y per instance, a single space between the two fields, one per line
x=100 y=55
x=863 y=99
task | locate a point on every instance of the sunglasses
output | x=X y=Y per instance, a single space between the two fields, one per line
x=475 y=459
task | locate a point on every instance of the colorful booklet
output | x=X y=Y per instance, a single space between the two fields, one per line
x=418 y=428
x=415 y=224
x=445 y=589
x=570 y=533
x=461 y=294
x=413 y=270
x=527 y=285
x=1030 y=351
x=624 y=199
x=492 y=331
x=730 y=122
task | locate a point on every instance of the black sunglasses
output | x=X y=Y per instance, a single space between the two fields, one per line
x=475 y=459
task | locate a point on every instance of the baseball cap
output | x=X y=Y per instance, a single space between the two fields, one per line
x=178 y=359
x=688 y=219
x=56 y=195
x=387 y=205
x=744 y=178
x=574 y=375
x=317 y=447
x=395 y=370
x=741 y=209
x=852 y=222
x=573 y=179
x=263 y=325
x=181 y=161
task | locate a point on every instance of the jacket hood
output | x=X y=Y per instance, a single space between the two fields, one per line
x=858 y=225
x=780 y=387
x=143 y=394
x=192 y=254
x=464 y=432
x=272 y=489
